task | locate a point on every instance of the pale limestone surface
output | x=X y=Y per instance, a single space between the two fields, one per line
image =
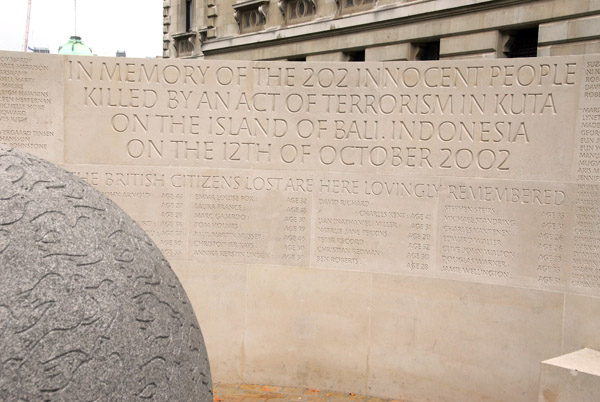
x=445 y=334
x=569 y=31
x=374 y=227
x=327 y=335
x=571 y=377
x=479 y=43
x=580 y=331
x=399 y=52
x=218 y=293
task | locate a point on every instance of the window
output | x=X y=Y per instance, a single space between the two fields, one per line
x=251 y=15
x=357 y=3
x=251 y=20
x=356 y=55
x=300 y=9
x=350 y=6
x=184 y=43
x=188 y=15
x=428 y=50
x=521 y=43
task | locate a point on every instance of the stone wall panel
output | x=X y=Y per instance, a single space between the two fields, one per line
x=270 y=182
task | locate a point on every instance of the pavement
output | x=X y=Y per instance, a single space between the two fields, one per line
x=270 y=393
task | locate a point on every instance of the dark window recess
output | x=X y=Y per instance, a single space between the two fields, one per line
x=188 y=15
x=357 y=3
x=303 y=58
x=252 y=19
x=428 y=51
x=356 y=55
x=298 y=9
x=522 y=43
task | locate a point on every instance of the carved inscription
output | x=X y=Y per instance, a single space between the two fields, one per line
x=476 y=120
x=585 y=275
x=203 y=216
x=476 y=242
x=31 y=104
x=500 y=234
x=386 y=134
x=481 y=171
x=382 y=224
x=229 y=213
x=148 y=197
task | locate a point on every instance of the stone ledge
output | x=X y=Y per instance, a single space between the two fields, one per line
x=569 y=31
x=571 y=377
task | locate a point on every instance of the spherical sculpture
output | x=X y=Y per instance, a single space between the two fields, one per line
x=90 y=310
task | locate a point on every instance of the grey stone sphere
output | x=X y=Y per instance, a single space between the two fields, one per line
x=90 y=310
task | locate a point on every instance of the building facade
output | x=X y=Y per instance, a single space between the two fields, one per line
x=378 y=30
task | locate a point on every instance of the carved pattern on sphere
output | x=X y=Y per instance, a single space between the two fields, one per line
x=90 y=310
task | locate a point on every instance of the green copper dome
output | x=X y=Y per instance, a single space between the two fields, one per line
x=75 y=46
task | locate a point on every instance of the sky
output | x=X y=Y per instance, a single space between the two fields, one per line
x=104 y=25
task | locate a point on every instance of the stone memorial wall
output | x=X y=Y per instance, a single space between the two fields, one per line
x=412 y=230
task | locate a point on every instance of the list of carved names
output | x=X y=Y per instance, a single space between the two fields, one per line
x=31 y=104
x=585 y=275
x=480 y=171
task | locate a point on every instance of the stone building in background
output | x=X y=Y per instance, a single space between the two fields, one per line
x=378 y=30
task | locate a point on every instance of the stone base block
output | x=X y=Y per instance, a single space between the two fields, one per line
x=571 y=377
